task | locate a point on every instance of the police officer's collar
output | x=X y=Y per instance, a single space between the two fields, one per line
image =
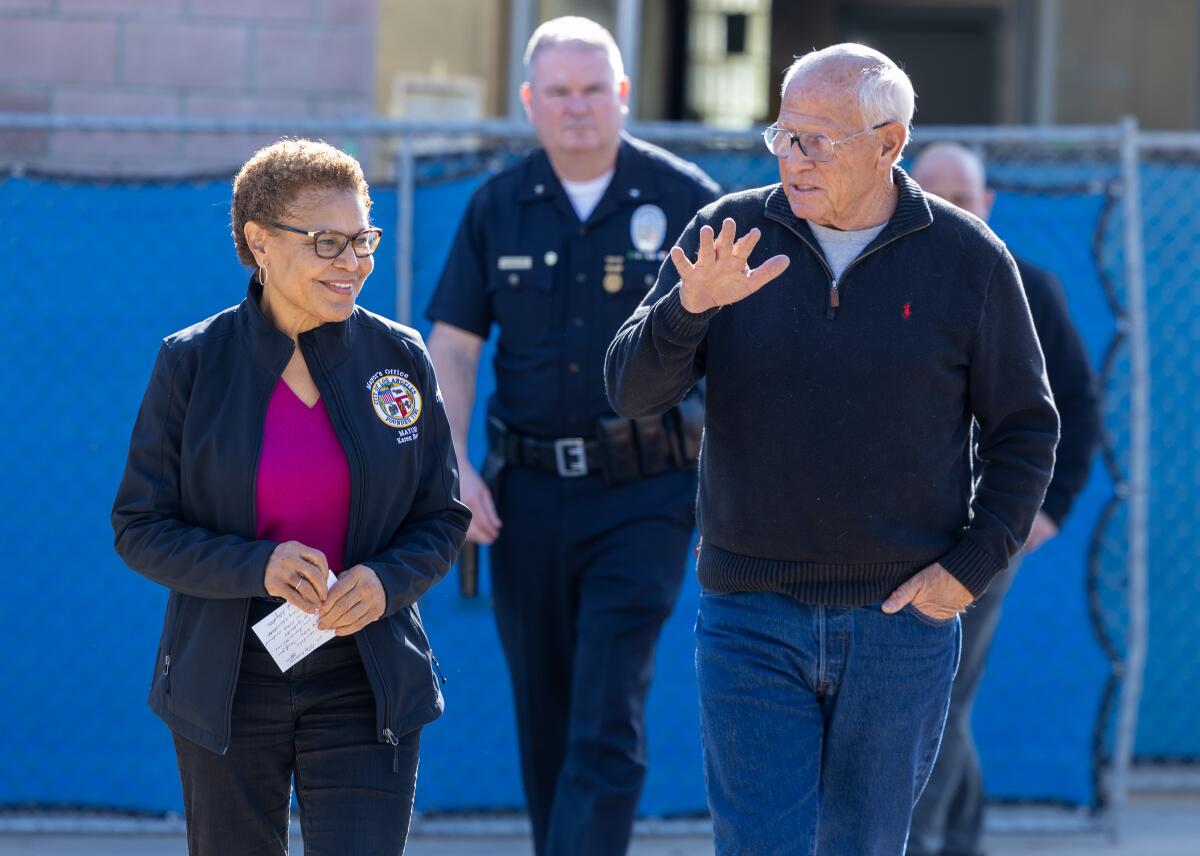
x=269 y=344
x=632 y=179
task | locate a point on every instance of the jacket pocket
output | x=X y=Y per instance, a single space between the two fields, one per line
x=522 y=301
x=400 y=657
x=414 y=615
x=170 y=634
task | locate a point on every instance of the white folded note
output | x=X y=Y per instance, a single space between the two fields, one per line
x=291 y=634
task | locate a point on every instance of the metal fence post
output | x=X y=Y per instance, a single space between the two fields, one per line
x=405 y=188
x=1139 y=465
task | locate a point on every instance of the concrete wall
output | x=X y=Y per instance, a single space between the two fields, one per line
x=268 y=58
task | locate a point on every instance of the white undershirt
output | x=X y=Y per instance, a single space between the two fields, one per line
x=843 y=246
x=585 y=195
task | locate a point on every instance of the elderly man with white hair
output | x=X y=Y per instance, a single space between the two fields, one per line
x=849 y=328
x=589 y=515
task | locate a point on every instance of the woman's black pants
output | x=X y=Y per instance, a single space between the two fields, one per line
x=315 y=723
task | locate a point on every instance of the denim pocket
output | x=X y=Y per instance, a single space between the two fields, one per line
x=927 y=619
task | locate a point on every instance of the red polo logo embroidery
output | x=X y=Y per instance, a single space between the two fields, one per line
x=907 y=311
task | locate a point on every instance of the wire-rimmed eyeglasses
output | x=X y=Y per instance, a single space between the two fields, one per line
x=816 y=147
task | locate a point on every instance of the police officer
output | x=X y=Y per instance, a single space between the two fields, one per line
x=589 y=515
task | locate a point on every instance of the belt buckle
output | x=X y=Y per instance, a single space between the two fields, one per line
x=570 y=456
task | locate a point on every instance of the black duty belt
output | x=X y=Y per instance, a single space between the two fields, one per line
x=570 y=457
x=622 y=449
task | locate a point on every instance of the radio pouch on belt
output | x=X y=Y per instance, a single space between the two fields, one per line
x=654 y=449
x=620 y=450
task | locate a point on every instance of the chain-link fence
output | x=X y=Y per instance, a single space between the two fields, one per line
x=1058 y=713
x=1169 y=170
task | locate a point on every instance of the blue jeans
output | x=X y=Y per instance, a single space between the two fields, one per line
x=819 y=724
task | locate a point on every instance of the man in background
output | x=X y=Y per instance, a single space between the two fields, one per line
x=589 y=515
x=948 y=819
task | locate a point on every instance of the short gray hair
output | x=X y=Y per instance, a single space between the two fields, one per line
x=885 y=94
x=574 y=31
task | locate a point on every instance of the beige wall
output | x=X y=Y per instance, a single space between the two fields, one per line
x=455 y=38
x=1119 y=57
x=171 y=58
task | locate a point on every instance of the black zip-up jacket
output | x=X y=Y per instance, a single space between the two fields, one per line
x=184 y=514
x=1074 y=386
x=836 y=458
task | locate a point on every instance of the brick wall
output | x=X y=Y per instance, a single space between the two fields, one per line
x=261 y=58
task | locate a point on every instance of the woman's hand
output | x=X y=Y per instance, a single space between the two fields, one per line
x=355 y=601
x=297 y=574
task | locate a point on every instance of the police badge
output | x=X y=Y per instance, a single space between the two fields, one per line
x=648 y=228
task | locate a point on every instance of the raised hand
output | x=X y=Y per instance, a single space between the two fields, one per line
x=721 y=275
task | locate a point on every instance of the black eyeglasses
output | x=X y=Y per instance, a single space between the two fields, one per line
x=328 y=244
x=817 y=147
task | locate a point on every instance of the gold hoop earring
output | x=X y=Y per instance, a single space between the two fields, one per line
x=262 y=276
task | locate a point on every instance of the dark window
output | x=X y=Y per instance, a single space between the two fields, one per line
x=735 y=33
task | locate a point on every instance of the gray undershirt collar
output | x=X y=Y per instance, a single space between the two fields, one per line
x=842 y=247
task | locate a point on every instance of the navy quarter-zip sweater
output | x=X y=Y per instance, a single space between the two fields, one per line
x=836 y=459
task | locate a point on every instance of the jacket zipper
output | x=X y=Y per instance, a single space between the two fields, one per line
x=166 y=672
x=390 y=739
x=835 y=282
x=352 y=539
x=262 y=415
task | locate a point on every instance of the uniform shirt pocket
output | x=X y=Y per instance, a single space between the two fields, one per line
x=522 y=303
x=637 y=278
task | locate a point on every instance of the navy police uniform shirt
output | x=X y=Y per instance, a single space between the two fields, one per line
x=559 y=288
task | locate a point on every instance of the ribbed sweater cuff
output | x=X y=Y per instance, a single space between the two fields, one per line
x=683 y=326
x=971 y=565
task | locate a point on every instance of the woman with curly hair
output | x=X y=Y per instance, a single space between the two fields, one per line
x=290 y=436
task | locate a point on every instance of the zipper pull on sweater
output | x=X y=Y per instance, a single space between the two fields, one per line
x=835 y=300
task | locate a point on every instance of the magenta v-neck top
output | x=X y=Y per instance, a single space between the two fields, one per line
x=302 y=490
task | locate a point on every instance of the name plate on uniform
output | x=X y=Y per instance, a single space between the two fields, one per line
x=515 y=263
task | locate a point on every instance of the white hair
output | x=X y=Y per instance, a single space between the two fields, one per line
x=885 y=94
x=573 y=31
